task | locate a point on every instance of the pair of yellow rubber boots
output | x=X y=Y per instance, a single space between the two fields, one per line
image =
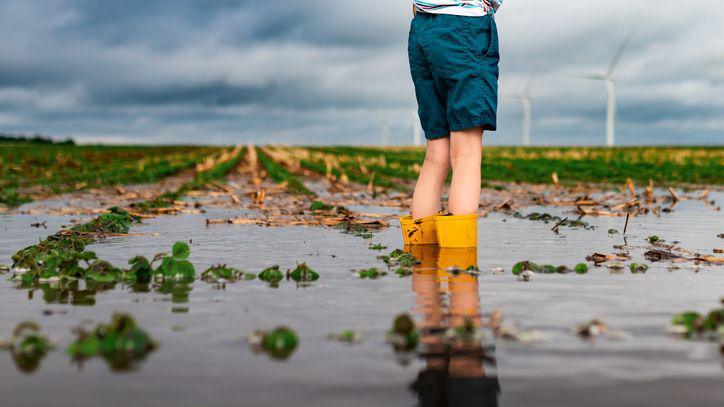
x=451 y=231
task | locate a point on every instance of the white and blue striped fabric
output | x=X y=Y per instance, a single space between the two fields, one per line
x=458 y=7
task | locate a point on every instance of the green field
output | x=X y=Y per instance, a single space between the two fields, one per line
x=60 y=168
x=42 y=169
x=662 y=165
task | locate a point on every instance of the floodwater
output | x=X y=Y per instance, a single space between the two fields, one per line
x=203 y=359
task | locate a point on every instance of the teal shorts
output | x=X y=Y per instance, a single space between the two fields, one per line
x=454 y=66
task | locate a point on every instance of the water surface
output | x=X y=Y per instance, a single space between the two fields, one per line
x=203 y=359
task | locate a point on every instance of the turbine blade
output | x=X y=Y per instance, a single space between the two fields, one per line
x=594 y=77
x=619 y=53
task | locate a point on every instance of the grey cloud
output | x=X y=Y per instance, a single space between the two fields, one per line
x=315 y=71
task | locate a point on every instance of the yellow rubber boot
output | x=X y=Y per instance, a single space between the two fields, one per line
x=418 y=231
x=460 y=258
x=457 y=230
x=427 y=255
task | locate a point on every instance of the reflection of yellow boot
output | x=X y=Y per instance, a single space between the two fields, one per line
x=457 y=230
x=462 y=258
x=427 y=256
x=418 y=231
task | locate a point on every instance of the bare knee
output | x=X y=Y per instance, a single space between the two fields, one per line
x=466 y=146
x=438 y=154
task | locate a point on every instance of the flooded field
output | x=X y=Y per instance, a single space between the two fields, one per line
x=203 y=357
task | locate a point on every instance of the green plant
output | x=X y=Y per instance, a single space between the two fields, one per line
x=271 y=275
x=28 y=346
x=221 y=271
x=403 y=335
x=279 y=343
x=121 y=343
x=371 y=273
x=302 y=273
x=280 y=174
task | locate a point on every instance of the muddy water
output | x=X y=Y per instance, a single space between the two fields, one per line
x=204 y=361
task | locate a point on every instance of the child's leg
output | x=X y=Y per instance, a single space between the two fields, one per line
x=466 y=155
x=426 y=200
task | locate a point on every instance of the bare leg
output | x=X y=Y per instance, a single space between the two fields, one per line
x=426 y=200
x=466 y=155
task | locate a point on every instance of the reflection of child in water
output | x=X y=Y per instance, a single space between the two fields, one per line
x=454 y=374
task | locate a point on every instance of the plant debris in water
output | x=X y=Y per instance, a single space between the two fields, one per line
x=520 y=267
x=121 y=343
x=371 y=273
x=58 y=256
x=403 y=335
x=693 y=325
x=116 y=221
x=320 y=206
x=271 y=275
x=638 y=268
x=279 y=343
x=591 y=329
x=597 y=328
x=548 y=218
x=347 y=336
x=302 y=274
x=654 y=239
x=28 y=346
x=403 y=271
x=399 y=257
x=222 y=274
x=175 y=267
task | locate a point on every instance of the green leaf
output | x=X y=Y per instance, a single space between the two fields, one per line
x=302 y=273
x=271 y=274
x=714 y=320
x=166 y=267
x=181 y=251
x=548 y=269
x=638 y=268
x=526 y=265
x=140 y=269
x=84 y=348
x=581 y=268
x=372 y=273
x=87 y=256
x=691 y=320
x=281 y=342
x=183 y=269
x=320 y=206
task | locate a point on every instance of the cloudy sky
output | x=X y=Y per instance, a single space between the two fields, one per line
x=322 y=71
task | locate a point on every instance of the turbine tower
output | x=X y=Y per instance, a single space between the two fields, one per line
x=525 y=100
x=609 y=80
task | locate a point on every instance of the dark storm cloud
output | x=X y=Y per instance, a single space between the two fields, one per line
x=316 y=71
x=284 y=95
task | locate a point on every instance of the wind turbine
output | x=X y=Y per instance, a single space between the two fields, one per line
x=525 y=99
x=608 y=79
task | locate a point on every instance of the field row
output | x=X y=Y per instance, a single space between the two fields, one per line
x=38 y=170
x=662 y=165
x=27 y=169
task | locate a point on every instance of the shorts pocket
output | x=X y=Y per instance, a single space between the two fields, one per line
x=448 y=51
x=481 y=32
x=493 y=50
